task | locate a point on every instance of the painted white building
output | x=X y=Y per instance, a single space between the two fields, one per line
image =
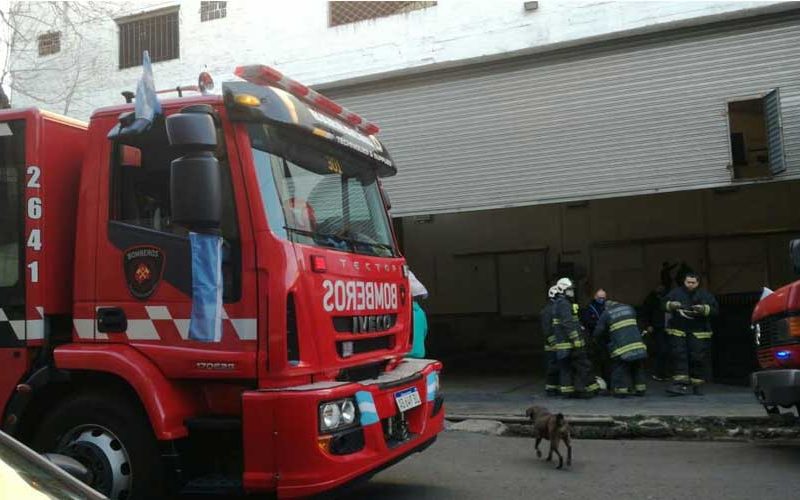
x=296 y=37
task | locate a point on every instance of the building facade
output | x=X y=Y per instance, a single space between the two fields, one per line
x=595 y=140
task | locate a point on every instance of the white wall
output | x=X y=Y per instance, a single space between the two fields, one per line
x=295 y=38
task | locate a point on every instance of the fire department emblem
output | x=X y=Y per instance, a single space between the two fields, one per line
x=143 y=266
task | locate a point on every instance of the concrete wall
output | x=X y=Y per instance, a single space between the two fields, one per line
x=736 y=238
x=295 y=37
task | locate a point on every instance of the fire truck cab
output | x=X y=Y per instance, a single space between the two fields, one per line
x=212 y=301
x=776 y=332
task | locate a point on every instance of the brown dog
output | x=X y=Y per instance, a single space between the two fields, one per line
x=554 y=428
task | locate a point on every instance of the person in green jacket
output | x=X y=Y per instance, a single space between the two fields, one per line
x=419 y=320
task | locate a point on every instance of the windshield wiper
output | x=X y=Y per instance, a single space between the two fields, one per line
x=316 y=234
x=351 y=241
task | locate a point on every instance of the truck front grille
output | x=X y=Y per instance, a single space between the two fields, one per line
x=774 y=331
x=360 y=346
x=364 y=324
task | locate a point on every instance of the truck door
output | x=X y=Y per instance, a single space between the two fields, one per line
x=12 y=255
x=146 y=264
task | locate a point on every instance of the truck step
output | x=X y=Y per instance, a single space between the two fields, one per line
x=213 y=424
x=214 y=484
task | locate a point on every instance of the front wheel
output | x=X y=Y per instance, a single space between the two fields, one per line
x=112 y=438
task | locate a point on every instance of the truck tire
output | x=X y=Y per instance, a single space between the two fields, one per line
x=112 y=437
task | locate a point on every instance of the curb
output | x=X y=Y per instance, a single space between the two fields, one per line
x=709 y=428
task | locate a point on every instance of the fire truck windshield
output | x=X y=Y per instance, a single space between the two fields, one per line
x=316 y=194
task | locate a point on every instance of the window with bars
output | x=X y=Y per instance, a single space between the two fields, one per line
x=213 y=10
x=352 y=12
x=49 y=43
x=156 y=33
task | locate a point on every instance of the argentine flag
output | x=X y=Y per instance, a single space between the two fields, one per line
x=206 y=321
x=146 y=105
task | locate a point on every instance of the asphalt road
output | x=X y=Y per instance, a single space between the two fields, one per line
x=465 y=466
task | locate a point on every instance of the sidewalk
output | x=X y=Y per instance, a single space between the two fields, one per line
x=509 y=396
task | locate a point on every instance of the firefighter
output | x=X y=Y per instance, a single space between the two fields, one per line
x=574 y=366
x=551 y=346
x=689 y=330
x=618 y=326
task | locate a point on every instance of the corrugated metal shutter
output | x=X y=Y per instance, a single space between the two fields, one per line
x=643 y=115
x=772 y=115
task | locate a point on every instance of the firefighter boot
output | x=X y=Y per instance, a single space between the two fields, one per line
x=677 y=389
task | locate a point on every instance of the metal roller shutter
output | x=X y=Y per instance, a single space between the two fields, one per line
x=640 y=115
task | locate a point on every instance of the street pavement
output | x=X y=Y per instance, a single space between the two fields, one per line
x=502 y=396
x=471 y=466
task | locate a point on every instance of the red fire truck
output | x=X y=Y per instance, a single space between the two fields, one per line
x=776 y=328
x=294 y=381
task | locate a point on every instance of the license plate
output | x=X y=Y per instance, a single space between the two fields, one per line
x=407 y=399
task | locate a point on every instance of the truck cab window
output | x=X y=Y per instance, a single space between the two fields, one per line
x=9 y=227
x=12 y=165
x=140 y=195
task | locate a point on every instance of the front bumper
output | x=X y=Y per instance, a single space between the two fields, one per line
x=777 y=387
x=282 y=449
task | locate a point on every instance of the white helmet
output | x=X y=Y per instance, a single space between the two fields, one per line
x=565 y=286
x=552 y=292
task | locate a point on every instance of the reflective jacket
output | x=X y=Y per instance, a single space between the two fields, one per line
x=618 y=322
x=546 y=315
x=566 y=327
x=698 y=324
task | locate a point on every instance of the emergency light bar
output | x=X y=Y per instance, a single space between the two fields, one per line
x=264 y=75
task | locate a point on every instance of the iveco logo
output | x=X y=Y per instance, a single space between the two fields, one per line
x=208 y=365
x=369 y=324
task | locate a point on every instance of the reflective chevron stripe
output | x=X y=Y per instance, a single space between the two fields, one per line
x=622 y=324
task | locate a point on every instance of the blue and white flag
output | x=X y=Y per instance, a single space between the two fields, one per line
x=147 y=105
x=366 y=407
x=432 y=382
x=206 y=321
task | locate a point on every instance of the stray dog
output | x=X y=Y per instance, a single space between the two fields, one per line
x=554 y=428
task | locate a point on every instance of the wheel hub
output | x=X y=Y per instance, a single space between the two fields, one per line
x=100 y=451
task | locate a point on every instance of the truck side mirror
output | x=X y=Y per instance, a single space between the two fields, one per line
x=794 y=251
x=195 y=184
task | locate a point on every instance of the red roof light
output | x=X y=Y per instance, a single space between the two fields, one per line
x=264 y=75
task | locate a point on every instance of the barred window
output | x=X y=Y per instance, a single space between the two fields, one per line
x=213 y=10
x=353 y=12
x=49 y=43
x=155 y=32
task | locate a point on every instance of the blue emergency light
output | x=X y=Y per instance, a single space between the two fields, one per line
x=783 y=354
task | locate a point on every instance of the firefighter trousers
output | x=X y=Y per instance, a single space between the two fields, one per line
x=552 y=372
x=627 y=377
x=576 y=373
x=690 y=356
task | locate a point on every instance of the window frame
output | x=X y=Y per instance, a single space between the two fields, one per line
x=114 y=188
x=727 y=114
x=332 y=23
x=14 y=295
x=45 y=40
x=209 y=9
x=133 y=60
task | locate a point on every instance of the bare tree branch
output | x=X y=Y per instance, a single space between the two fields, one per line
x=65 y=70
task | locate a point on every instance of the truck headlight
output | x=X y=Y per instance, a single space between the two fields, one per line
x=336 y=415
x=348 y=412
x=330 y=416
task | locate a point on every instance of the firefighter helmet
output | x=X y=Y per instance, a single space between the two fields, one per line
x=565 y=287
x=564 y=284
x=552 y=292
